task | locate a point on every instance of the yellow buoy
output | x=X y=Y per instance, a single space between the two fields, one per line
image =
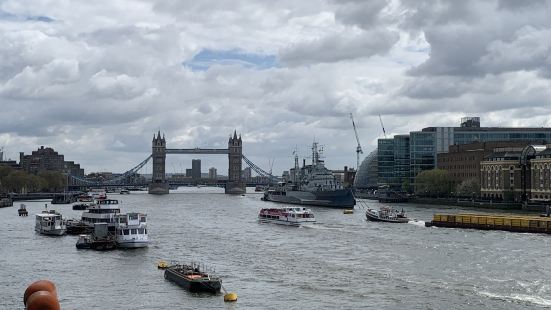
x=162 y=265
x=230 y=297
x=348 y=211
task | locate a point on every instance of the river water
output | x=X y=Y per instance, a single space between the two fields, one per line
x=343 y=262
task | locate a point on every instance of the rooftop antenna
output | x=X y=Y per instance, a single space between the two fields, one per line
x=381 y=120
x=359 y=147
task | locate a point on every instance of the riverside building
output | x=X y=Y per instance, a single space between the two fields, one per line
x=424 y=146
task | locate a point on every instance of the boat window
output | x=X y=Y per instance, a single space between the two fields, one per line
x=134 y=231
x=142 y=219
x=140 y=231
x=126 y=232
x=146 y=231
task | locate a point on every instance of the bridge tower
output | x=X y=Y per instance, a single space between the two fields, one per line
x=235 y=184
x=158 y=183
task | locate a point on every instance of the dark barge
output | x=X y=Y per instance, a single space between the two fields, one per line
x=193 y=279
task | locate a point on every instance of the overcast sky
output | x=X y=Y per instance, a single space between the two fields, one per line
x=95 y=79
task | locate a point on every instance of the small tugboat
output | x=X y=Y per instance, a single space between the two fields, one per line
x=386 y=214
x=99 y=240
x=50 y=223
x=193 y=279
x=22 y=211
x=292 y=216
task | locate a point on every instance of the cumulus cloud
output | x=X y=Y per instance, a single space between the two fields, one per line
x=345 y=45
x=282 y=73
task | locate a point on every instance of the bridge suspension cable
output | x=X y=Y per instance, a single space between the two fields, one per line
x=260 y=171
x=116 y=180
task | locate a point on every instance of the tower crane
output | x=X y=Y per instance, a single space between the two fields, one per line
x=383 y=126
x=359 y=147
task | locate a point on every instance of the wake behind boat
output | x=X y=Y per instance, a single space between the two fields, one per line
x=292 y=216
x=386 y=214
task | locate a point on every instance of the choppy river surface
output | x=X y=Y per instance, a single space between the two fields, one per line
x=343 y=262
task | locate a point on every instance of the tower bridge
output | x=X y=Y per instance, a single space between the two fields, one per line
x=159 y=183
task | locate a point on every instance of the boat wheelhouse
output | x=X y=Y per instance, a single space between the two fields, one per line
x=102 y=212
x=292 y=216
x=50 y=223
x=131 y=230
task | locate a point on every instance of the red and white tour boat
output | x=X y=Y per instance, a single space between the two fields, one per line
x=293 y=216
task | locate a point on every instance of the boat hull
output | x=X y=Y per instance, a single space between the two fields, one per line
x=284 y=222
x=212 y=286
x=334 y=199
x=132 y=244
x=52 y=232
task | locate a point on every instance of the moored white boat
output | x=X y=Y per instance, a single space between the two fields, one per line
x=102 y=212
x=50 y=223
x=293 y=216
x=131 y=230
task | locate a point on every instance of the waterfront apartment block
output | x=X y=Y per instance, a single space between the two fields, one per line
x=425 y=145
x=48 y=159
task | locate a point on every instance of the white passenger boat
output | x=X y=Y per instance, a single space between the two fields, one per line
x=293 y=216
x=131 y=230
x=103 y=212
x=50 y=223
x=97 y=193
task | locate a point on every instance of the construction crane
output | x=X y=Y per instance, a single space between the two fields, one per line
x=381 y=120
x=359 y=147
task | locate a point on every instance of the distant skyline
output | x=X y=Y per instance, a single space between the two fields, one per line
x=94 y=81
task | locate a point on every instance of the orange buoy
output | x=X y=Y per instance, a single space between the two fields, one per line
x=42 y=300
x=40 y=285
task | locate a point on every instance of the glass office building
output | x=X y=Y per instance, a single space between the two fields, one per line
x=423 y=146
x=385 y=158
x=401 y=161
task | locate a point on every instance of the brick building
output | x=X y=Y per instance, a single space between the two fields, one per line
x=462 y=161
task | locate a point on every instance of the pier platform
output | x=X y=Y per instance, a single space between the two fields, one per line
x=515 y=223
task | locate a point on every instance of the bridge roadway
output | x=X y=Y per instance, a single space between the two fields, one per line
x=197 y=151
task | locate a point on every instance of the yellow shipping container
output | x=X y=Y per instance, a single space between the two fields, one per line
x=524 y=223
x=436 y=217
x=474 y=220
x=483 y=220
x=498 y=221
x=443 y=218
x=515 y=222
x=490 y=221
x=507 y=222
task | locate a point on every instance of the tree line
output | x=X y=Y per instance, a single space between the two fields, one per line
x=18 y=181
x=439 y=183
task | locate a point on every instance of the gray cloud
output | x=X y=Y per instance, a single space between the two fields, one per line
x=339 y=46
x=106 y=76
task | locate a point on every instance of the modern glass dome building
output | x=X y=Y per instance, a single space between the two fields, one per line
x=366 y=177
